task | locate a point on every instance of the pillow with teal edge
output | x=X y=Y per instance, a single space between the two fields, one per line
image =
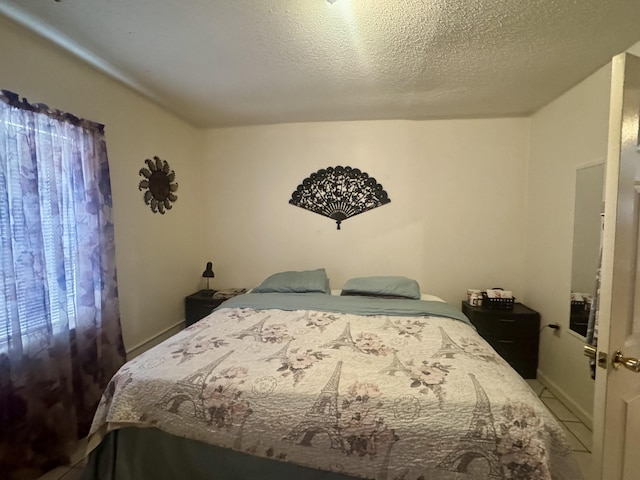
x=308 y=281
x=382 y=286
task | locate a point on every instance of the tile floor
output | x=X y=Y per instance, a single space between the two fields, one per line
x=578 y=434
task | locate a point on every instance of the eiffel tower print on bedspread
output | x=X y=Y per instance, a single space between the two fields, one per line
x=322 y=417
x=343 y=340
x=449 y=348
x=254 y=331
x=189 y=390
x=480 y=441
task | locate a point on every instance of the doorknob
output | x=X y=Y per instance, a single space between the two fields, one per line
x=590 y=351
x=632 y=364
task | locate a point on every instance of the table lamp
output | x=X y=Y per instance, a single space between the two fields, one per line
x=208 y=273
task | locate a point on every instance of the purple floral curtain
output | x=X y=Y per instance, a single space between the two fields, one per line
x=60 y=336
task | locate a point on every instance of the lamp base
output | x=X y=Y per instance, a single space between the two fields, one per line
x=207 y=293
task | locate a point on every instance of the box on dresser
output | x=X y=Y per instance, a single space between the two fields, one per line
x=514 y=334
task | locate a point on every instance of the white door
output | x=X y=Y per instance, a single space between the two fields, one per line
x=616 y=436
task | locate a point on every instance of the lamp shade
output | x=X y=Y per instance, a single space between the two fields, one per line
x=208 y=273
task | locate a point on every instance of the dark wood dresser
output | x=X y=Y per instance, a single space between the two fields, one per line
x=579 y=321
x=514 y=334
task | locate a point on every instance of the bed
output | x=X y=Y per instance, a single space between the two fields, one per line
x=294 y=382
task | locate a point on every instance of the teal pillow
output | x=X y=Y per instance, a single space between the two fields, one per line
x=295 y=282
x=382 y=286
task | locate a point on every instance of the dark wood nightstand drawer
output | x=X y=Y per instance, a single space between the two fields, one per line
x=513 y=334
x=202 y=303
x=491 y=323
x=199 y=305
x=523 y=347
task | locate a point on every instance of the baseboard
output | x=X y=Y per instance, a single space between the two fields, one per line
x=578 y=411
x=155 y=340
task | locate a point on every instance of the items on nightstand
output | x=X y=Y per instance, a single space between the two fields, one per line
x=499 y=293
x=229 y=293
x=492 y=298
x=474 y=297
x=580 y=301
x=498 y=298
x=513 y=333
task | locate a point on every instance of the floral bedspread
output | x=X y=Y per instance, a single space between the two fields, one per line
x=379 y=397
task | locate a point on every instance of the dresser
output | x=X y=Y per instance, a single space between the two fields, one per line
x=514 y=334
x=579 y=321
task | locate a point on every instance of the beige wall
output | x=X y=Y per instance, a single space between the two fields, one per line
x=454 y=222
x=569 y=132
x=158 y=256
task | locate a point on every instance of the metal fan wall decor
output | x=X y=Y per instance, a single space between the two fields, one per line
x=339 y=193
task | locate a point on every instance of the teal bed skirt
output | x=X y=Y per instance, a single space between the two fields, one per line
x=151 y=454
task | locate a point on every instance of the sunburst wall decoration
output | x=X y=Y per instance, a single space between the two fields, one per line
x=339 y=193
x=158 y=184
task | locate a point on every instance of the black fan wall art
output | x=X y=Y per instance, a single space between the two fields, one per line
x=339 y=193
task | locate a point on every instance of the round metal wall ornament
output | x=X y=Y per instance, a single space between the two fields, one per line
x=158 y=185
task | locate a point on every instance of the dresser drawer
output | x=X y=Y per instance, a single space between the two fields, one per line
x=199 y=305
x=516 y=348
x=505 y=325
x=196 y=311
x=513 y=334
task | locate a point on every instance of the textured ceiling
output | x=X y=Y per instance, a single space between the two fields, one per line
x=238 y=62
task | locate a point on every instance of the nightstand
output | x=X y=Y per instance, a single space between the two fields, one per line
x=514 y=334
x=202 y=303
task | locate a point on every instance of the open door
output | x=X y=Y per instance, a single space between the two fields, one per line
x=616 y=436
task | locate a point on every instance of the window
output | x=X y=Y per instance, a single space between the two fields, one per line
x=47 y=218
x=60 y=335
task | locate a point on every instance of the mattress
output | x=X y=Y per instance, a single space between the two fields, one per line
x=345 y=387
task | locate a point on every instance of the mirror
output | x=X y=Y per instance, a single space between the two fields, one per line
x=587 y=228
